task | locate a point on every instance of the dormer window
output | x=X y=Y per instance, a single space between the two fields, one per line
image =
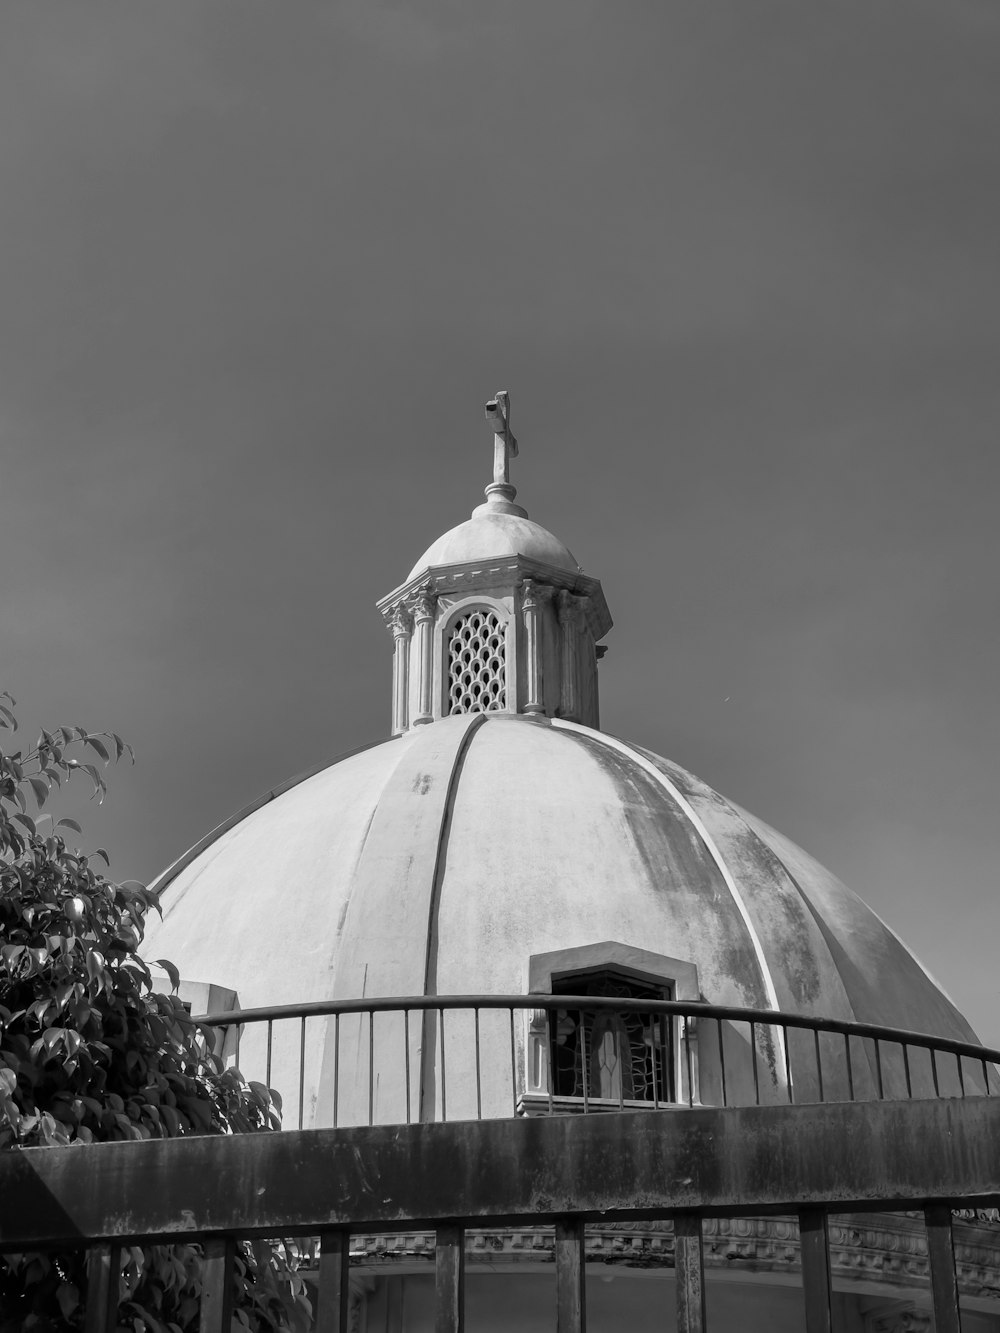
x=606 y=1057
x=608 y=1054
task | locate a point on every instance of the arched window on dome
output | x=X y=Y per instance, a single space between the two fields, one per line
x=477 y=662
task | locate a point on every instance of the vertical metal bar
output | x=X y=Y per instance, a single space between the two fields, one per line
x=934 y=1073
x=722 y=1061
x=513 y=1064
x=819 y=1063
x=756 y=1075
x=270 y=1039
x=584 y=1066
x=217 y=1285
x=302 y=1068
x=687 y=1058
x=816 y=1285
x=941 y=1252
x=406 y=1057
x=850 y=1068
x=961 y=1074
x=479 y=1079
x=906 y=1070
x=549 y=1056
x=444 y=1090
x=878 y=1070
x=689 y=1271
x=449 y=1274
x=336 y=1067
x=986 y=1079
x=333 y=1294
x=571 y=1291
x=371 y=1066
x=104 y=1266
x=788 y=1065
x=652 y=1052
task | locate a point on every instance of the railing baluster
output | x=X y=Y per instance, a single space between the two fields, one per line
x=652 y=1052
x=302 y=1069
x=934 y=1073
x=549 y=1053
x=788 y=1066
x=571 y=1291
x=444 y=1090
x=513 y=1064
x=941 y=1253
x=217 y=1284
x=819 y=1063
x=722 y=1061
x=753 y=1052
x=449 y=1280
x=906 y=1070
x=817 y=1288
x=406 y=1044
x=850 y=1068
x=336 y=1066
x=961 y=1074
x=333 y=1296
x=986 y=1079
x=878 y=1070
x=104 y=1266
x=689 y=1272
x=371 y=1066
x=687 y=1058
x=584 y=1067
x=479 y=1080
x=270 y=1039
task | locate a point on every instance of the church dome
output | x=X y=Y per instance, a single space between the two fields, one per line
x=501 y=844
x=443 y=861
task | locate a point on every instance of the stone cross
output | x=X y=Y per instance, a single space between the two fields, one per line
x=504 y=442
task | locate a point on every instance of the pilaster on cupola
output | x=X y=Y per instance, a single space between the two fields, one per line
x=496 y=616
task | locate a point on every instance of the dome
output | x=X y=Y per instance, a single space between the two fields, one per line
x=496 y=535
x=441 y=861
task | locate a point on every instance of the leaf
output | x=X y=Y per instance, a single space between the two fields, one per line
x=103 y=855
x=9 y=718
x=99 y=746
x=27 y=821
x=69 y=823
x=171 y=971
x=41 y=789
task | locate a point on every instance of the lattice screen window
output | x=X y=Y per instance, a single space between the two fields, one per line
x=477 y=674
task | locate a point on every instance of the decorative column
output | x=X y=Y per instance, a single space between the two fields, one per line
x=401 y=624
x=424 y=606
x=534 y=595
x=570 y=609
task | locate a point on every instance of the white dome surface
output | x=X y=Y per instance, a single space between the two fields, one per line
x=493 y=536
x=439 y=862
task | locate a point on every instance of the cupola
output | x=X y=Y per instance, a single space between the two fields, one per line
x=496 y=616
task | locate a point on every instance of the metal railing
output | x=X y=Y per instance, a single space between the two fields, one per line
x=470 y=1057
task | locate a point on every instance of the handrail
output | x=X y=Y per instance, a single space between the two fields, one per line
x=550 y=1003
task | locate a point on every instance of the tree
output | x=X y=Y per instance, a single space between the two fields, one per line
x=90 y=1052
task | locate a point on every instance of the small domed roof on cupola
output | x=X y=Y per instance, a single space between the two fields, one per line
x=499 y=528
x=494 y=534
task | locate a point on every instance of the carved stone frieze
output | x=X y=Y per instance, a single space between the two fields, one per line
x=863 y=1247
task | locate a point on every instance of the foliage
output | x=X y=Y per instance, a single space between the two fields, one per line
x=89 y=1052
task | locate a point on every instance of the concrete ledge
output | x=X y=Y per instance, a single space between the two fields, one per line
x=846 y=1156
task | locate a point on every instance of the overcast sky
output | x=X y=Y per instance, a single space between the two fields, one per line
x=737 y=263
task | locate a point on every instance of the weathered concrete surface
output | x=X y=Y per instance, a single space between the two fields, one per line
x=756 y=1160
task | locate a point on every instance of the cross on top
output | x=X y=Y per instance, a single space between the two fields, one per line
x=504 y=441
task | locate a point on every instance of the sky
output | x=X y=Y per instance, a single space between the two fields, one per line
x=736 y=262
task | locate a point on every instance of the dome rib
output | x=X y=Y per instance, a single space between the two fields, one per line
x=621 y=747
